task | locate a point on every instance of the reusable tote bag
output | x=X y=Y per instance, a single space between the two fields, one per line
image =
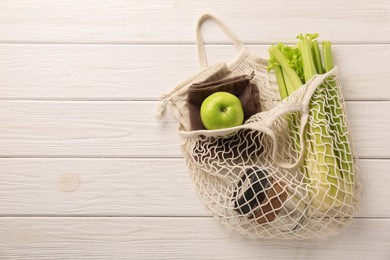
x=272 y=176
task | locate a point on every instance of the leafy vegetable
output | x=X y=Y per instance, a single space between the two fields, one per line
x=279 y=56
x=294 y=65
x=342 y=148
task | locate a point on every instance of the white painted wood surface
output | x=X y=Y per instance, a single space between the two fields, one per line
x=129 y=129
x=87 y=173
x=176 y=238
x=107 y=72
x=132 y=187
x=151 y=21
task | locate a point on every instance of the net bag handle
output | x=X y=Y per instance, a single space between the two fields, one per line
x=311 y=86
x=200 y=41
x=304 y=119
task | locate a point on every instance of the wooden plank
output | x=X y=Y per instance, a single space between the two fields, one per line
x=133 y=187
x=124 y=21
x=362 y=118
x=129 y=129
x=118 y=72
x=93 y=71
x=92 y=187
x=96 y=129
x=176 y=238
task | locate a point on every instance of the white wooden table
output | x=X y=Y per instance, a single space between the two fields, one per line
x=87 y=173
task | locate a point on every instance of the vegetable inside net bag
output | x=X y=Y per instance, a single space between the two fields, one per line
x=264 y=178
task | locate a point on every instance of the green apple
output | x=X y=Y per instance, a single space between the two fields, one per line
x=221 y=110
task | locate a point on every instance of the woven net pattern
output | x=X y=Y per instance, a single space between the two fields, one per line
x=288 y=172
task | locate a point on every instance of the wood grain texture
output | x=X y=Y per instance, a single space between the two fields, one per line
x=176 y=238
x=108 y=187
x=133 y=187
x=80 y=79
x=144 y=72
x=85 y=129
x=129 y=129
x=123 y=21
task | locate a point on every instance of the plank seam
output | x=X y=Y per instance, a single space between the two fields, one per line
x=123 y=157
x=176 y=43
x=137 y=216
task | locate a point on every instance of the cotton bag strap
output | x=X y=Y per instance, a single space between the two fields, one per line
x=200 y=42
x=303 y=108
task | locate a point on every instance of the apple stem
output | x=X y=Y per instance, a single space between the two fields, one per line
x=251 y=76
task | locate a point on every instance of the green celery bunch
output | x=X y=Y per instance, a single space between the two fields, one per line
x=294 y=66
x=342 y=148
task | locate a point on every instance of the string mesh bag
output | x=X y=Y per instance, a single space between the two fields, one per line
x=287 y=172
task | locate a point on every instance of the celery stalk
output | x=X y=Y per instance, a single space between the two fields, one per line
x=321 y=165
x=326 y=164
x=281 y=82
x=317 y=56
x=309 y=69
x=322 y=187
x=343 y=149
x=328 y=57
x=288 y=71
x=286 y=87
x=289 y=85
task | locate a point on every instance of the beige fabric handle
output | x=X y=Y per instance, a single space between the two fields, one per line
x=200 y=42
x=304 y=119
x=311 y=86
